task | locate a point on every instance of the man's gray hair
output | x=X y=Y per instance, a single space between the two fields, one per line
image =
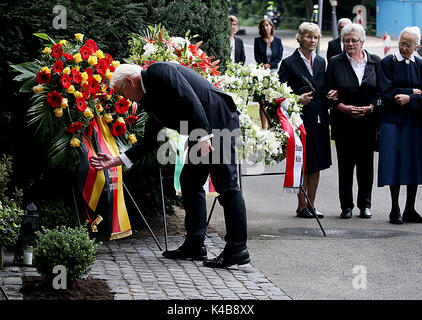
x=414 y=31
x=305 y=28
x=343 y=20
x=122 y=71
x=354 y=27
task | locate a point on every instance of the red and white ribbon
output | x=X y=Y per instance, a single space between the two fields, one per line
x=296 y=149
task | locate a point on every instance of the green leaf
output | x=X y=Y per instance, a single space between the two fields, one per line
x=28 y=85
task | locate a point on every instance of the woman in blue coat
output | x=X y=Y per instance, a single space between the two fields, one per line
x=400 y=148
x=268 y=50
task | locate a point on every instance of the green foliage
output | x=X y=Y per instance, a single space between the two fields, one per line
x=10 y=222
x=5 y=172
x=56 y=212
x=69 y=247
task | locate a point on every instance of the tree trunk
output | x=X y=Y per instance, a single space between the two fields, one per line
x=285 y=10
x=1 y=257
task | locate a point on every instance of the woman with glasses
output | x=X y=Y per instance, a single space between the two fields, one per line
x=400 y=148
x=353 y=74
x=304 y=72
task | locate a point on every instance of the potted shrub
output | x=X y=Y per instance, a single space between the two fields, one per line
x=10 y=221
x=69 y=247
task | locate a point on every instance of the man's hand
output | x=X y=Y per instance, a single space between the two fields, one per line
x=205 y=147
x=402 y=99
x=417 y=91
x=105 y=161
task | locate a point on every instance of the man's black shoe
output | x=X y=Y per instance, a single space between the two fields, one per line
x=346 y=213
x=184 y=252
x=365 y=213
x=411 y=216
x=395 y=217
x=304 y=213
x=225 y=260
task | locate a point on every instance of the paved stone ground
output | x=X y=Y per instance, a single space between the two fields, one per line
x=134 y=269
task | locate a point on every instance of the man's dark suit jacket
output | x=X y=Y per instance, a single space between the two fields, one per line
x=342 y=77
x=239 y=51
x=334 y=48
x=260 y=51
x=293 y=71
x=176 y=93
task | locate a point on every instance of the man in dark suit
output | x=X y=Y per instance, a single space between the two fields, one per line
x=172 y=94
x=335 y=46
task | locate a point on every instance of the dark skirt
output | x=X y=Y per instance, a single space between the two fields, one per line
x=400 y=154
x=318 y=149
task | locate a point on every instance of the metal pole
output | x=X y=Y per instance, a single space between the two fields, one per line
x=164 y=210
x=212 y=209
x=334 y=21
x=4 y=292
x=320 y=10
x=142 y=216
x=76 y=204
x=312 y=209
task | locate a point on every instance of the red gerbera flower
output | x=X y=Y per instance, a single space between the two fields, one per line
x=58 y=67
x=91 y=44
x=85 y=52
x=93 y=86
x=43 y=77
x=131 y=120
x=89 y=71
x=57 y=51
x=76 y=76
x=68 y=56
x=66 y=81
x=121 y=106
x=81 y=104
x=54 y=99
x=118 y=129
x=73 y=127
x=102 y=66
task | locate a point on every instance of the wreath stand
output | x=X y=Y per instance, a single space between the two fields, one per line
x=136 y=206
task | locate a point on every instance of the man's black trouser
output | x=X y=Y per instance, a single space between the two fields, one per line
x=224 y=177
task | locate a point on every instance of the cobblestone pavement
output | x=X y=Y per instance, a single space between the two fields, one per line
x=134 y=269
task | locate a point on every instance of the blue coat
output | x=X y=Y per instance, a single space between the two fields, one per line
x=260 y=51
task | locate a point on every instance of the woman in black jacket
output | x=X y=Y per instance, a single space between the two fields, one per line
x=237 y=51
x=354 y=74
x=304 y=72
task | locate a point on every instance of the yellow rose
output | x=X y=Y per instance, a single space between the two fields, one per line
x=132 y=138
x=37 y=88
x=77 y=58
x=109 y=74
x=78 y=94
x=84 y=76
x=64 y=104
x=88 y=113
x=71 y=89
x=66 y=70
x=99 y=54
x=47 y=50
x=58 y=112
x=79 y=37
x=115 y=63
x=108 y=118
x=121 y=120
x=77 y=68
x=97 y=77
x=108 y=96
x=75 y=142
x=92 y=60
x=63 y=43
x=104 y=88
x=99 y=108
x=46 y=69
